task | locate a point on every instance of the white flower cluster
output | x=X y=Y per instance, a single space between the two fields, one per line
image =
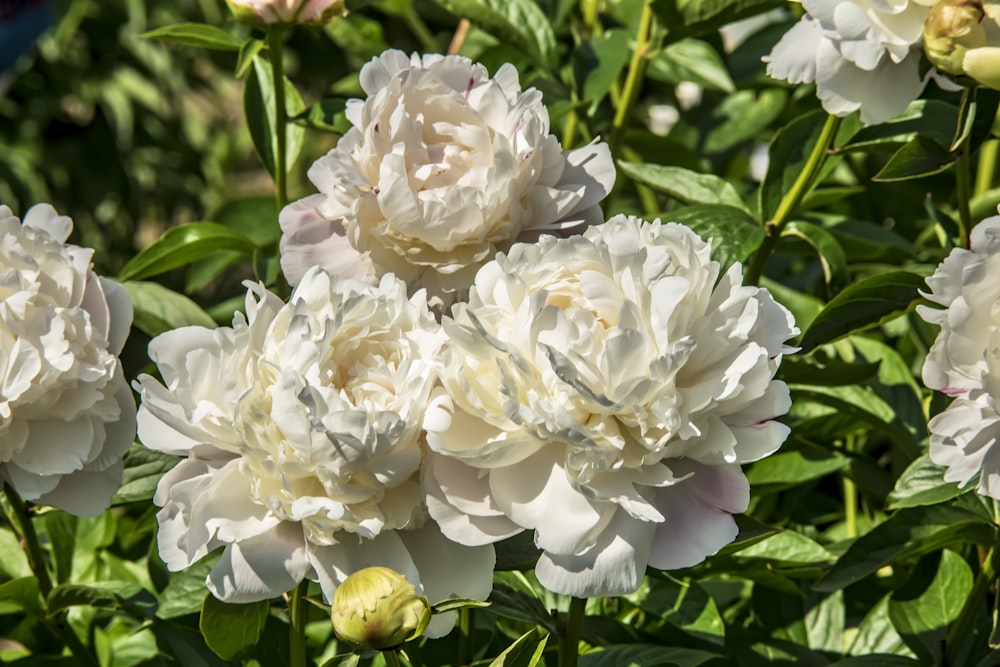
x=443 y=168
x=964 y=361
x=600 y=389
x=862 y=54
x=66 y=412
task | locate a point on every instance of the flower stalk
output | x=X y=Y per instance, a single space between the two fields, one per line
x=793 y=198
x=633 y=81
x=963 y=180
x=569 y=640
x=275 y=43
x=297 y=612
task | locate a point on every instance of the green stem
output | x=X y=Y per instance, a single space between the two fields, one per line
x=986 y=169
x=850 y=497
x=569 y=641
x=963 y=189
x=392 y=658
x=465 y=635
x=633 y=81
x=275 y=42
x=32 y=548
x=297 y=608
x=965 y=622
x=420 y=30
x=589 y=8
x=20 y=518
x=793 y=198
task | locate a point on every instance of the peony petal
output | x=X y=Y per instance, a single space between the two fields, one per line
x=86 y=493
x=261 y=567
x=336 y=562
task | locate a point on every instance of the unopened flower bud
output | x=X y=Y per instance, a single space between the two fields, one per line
x=377 y=608
x=268 y=12
x=962 y=38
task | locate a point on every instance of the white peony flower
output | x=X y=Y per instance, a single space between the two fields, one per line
x=288 y=11
x=602 y=390
x=67 y=415
x=443 y=168
x=965 y=360
x=862 y=54
x=301 y=428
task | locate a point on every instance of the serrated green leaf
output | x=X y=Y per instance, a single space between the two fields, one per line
x=910 y=532
x=526 y=651
x=917 y=158
x=520 y=22
x=232 y=630
x=196 y=34
x=733 y=233
x=922 y=483
x=143 y=470
x=183 y=245
x=157 y=309
x=259 y=108
x=865 y=304
x=831 y=255
x=684 y=185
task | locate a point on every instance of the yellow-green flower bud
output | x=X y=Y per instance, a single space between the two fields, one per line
x=377 y=608
x=287 y=12
x=962 y=38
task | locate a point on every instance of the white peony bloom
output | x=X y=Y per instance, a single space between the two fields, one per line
x=862 y=54
x=301 y=431
x=443 y=168
x=288 y=11
x=602 y=390
x=67 y=415
x=965 y=360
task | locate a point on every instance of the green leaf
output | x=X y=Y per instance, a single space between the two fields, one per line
x=248 y=51
x=685 y=605
x=647 y=655
x=196 y=34
x=877 y=660
x=831 y=255
x=182 y=245
x=20 y=595
x=454 y=604
x=910 y=532
x=599 y=61
x=526 y=651
x=521 y=23
x=816 y=369
x=791 y=468
x=733 y=233
x=157 y=309
x=259 y=109
x=232 y=630
x=933 y=119
x=918 y=158
x=517 y=552
x=13 y=562
x=343 y=660
x=865 y=304
x=921 y=610
x=876 y=635
x=788 y=548
x=922 y=483
x=684 y=185
x=682 y=18
x=104 y=594
x=514 y=597
x=143 y=470
x=185 y=593
x=691 y=60
x=742 y=116
x=325 y=116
